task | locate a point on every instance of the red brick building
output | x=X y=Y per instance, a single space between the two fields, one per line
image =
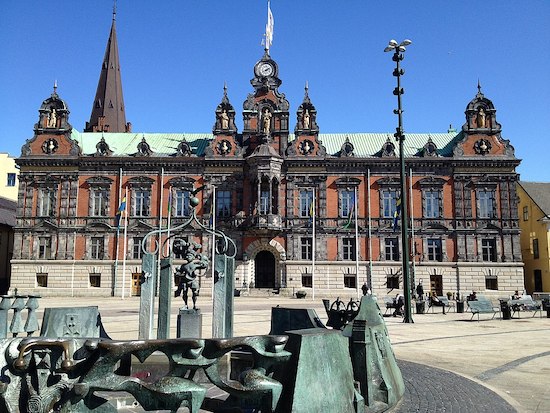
x=307 y=210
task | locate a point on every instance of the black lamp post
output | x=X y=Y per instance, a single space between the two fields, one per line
x=399 y=49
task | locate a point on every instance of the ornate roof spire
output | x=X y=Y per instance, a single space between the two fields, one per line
x=108 y=111
x=54 y=88
x=479 y=87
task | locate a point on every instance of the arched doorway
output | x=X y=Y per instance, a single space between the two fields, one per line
x=264 y=264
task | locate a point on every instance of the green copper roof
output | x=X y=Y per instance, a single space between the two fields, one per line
x=165 y=144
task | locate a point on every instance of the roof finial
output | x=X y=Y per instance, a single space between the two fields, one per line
x=224 y=88
x=55 y=87
x=306 y=88
x=114 y=10
x=478 y=86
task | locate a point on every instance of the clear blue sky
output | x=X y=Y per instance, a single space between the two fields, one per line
x=176 y=55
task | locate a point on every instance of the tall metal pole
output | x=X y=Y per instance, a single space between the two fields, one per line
x=400 y=137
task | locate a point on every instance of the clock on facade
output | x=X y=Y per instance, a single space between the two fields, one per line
x=265 y=69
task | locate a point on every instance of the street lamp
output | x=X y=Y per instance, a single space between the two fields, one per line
x=398 y=50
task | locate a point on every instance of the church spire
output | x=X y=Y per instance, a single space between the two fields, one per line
x=108 y=112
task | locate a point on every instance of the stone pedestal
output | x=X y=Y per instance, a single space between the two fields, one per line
x=189 y=323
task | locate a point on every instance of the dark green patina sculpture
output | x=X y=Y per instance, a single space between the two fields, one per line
x=311 y=369
x=193 y=262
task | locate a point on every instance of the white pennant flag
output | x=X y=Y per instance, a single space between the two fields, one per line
x=269 y=28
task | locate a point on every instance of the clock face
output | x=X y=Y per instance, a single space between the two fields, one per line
x=266 y=69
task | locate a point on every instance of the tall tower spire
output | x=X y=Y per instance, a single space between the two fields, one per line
x=108 y=112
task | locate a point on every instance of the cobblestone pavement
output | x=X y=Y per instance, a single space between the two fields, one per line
x=429 y=390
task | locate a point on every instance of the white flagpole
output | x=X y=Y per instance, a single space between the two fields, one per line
x=213 y=215
x=313 y=247
x=117 y=230
x=124 y=250
x=356 y=211
x=369 y=280
x=168 y=243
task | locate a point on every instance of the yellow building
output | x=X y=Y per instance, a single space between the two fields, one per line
x=534 y=222
x=9 y=176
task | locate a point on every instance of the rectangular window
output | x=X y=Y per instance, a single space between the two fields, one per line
x=307 y=279
x=485 y=204
x=41 y=279
x=350 y=280
x=431 y=204
x=137 y=251
x=391 y=249
x=99 y=199
x=435 y=251
x=46 y=203
x=306 y=203
x=491 y=282
x=306 y=248
x=142 y=203
x=11 y=179
x=389 y=203
x=489 y=250
x=535 y=248
x=526 y=213
x=44 y=248
x=223 y=203
x=348 y=248
x=392 y=281
x=264 y=202
x=183 y=209
x=95 y=280
x=346 y=203
x=96 y=248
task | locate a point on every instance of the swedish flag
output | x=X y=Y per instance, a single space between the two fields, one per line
x=120 y=210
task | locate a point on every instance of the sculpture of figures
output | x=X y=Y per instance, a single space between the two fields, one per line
x=267 y=121
x=305 y=119
x=481 y=118
x=193 y=262
x=224 y=118
x=52 y=119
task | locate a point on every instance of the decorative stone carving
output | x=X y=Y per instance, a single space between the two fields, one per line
x=50 y=146
x=347 y=149
x=388 y=149
x=224 y=147
x=143 y=148
x=102 y=148
x=306 y=147
x=482 y=147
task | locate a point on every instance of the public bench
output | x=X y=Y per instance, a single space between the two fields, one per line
x=448 y=304
x=390 y=303
x=481 y=306
x=525 y=303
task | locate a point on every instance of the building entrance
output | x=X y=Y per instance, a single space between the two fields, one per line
x=436 y=284
x=264 y=264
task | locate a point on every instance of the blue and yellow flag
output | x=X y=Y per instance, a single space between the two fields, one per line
x=120 y=210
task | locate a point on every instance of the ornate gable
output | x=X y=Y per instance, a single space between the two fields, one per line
x=52 y=132
x=482 y=132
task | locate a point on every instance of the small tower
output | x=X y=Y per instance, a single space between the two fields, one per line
x=52 y=132
x=224 y=130
x=108 y=111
